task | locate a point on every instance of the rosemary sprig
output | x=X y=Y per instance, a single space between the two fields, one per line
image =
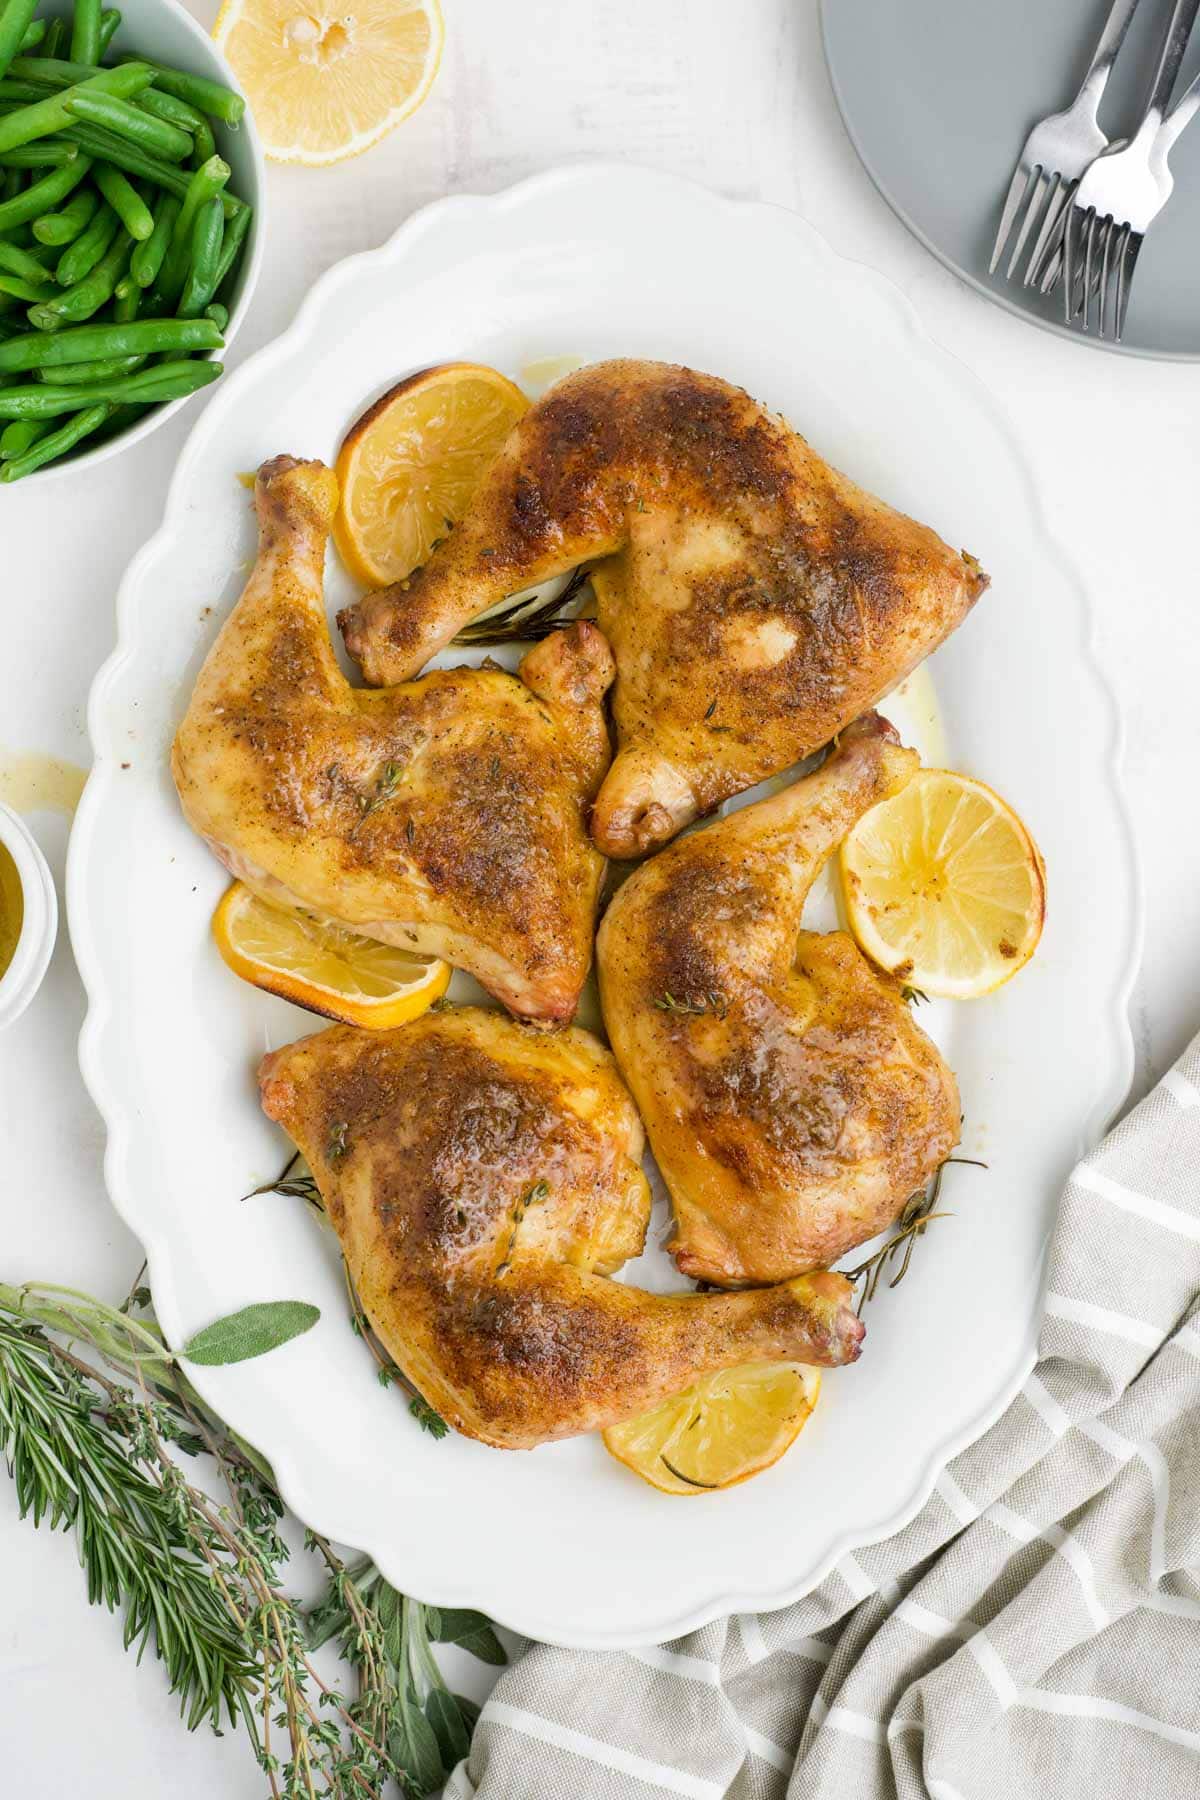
x=522 y=620
x=919 y=1213
x=200 y=1580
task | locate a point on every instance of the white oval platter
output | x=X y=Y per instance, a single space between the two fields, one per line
x=562 y=1543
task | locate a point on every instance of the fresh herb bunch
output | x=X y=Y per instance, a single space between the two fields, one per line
x=98 y=1424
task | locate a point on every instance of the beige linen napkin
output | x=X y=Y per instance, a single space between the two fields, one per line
x=1034 y=1632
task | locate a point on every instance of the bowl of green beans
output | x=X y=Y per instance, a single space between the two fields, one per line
x=131 y=184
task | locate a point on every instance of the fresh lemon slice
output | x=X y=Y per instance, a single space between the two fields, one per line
x=723 y=1430
x=320 y=965
x=944 y=887
x=325 y=82
x=410 y=465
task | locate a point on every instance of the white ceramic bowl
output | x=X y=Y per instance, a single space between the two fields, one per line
x=39 y=923
x=162 y=31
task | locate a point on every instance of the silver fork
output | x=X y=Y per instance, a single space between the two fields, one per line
x=1122 y=194
x=1058 y=150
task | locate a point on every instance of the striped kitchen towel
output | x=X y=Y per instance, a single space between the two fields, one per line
x=1034 y=1632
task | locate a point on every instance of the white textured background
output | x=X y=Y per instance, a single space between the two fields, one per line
x=735 y=96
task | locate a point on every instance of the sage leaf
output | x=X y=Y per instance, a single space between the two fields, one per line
x=469 y=1711
x=442 y=1711
x=414 y=1748
x=471 y=1631
x=251 y=1332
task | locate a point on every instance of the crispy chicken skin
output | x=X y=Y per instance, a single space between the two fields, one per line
x=446 y=814
x=792 y=1102
x=756 y=600
x=484 y=1182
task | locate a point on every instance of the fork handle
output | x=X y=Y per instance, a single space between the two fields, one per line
x=1180 y=116
x=1170 y=56
x=1107 y=47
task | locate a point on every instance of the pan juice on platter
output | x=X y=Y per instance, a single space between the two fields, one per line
x=12 y=909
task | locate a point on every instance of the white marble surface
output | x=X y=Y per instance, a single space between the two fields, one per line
x=733 y=96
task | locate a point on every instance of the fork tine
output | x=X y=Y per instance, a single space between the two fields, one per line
x=1058 y=199
x=1017 y=189
x=1129 y=253
x=1037 y=190
x=1070 y=254
x=1113 y=232
x=1089 y=250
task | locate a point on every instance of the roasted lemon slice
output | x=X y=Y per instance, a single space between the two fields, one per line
x=410 y=465
x=322 y=966
x=944 y=886
x=327 y=81
x=725 y=1429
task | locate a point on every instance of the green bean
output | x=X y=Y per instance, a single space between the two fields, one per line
x=202 y=276
x=11 y=183
x=19 y=289
x=235 y=234
x=125 y=201
x=93 y=343
x=19 y=262
x=177 y=112
x=147 y=258
x=34 y=34
x=126 y=302
x=105 y=147
x=110 y=24
x=206 y=96
x=86 y=297
x=85 y=32
x=56 y=444
x=206 y=182
x=56 y=38
x=81 y=257
x=163 y=381
x=44 y=117
x=40 y=156
x=138 y=128
x=65 y=226
x=15 y=20
x=19 y=434
x=69 y=374
x=43 y=195
x=218 y=314
x=14 y=92
x=54 y=71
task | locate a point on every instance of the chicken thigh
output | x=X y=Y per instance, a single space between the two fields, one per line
x=446 y=815
x=791 y=1101
x=757 y=603
x=484 y=1182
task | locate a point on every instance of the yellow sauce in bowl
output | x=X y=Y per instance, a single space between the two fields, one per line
x=12 y=909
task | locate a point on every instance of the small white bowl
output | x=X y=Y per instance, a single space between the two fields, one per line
x=163 y=32
x=39 y=924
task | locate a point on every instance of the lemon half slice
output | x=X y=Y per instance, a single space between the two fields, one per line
x=327 y=81
x=409 y=466
x=322 y=966
x=720 y=1431
x=944 y=886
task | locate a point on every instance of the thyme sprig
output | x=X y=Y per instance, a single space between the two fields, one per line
x=521 y=620
x=693 y=1005
x=919 y=1213
x=97 y=1444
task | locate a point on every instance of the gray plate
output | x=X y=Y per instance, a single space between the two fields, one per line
x=938 y=95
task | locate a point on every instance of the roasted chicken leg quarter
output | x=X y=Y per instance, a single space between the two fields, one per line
x=792 y=1102
x=446 y=815
x=756 y=600
x=485 y=1181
